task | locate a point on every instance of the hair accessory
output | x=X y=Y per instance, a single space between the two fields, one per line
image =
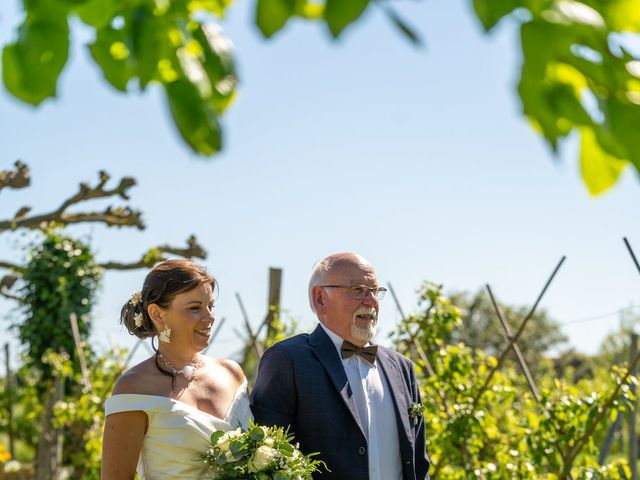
x=165 y=335
x=138 y=319
x=188 y=371
x=136 y=298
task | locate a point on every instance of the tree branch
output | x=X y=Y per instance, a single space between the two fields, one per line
x=88 y=193
x=6 y=282
x=159 y=254
x=120 y=216
x=11 y=296
x=18 y=178
x=11 y=266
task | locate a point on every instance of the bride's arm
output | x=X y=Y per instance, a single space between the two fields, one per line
x=121 y=444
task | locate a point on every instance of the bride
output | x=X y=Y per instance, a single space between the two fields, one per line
x=164 y=410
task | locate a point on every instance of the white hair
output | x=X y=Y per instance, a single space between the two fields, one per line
x=317 y=275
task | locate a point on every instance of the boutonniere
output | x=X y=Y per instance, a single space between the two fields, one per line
x=415 y=411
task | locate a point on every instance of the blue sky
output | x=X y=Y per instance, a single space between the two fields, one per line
x=419 y=159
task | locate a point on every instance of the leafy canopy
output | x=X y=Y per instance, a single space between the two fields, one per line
x=60 y=278
x=579 y=73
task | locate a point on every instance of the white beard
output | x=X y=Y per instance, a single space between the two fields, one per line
x=364 y=333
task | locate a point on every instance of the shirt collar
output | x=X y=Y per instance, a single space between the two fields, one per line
x=335 y=338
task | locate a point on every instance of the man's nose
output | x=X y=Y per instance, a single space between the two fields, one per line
x=371 y=298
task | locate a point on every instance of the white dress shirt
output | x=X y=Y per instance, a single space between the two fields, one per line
x=374 y=403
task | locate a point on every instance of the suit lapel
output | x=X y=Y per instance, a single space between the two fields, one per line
x=325 y=351
x=399 y=391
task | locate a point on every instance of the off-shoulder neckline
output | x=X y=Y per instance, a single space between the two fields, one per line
x=241 y=388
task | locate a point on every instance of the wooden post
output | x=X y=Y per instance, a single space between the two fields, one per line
x=9 y=387
x=253 y=337
x=275 y=280
x=633 y=435
x=75 y=330
x=49 y=453
x=515 y=346
x=608 y=441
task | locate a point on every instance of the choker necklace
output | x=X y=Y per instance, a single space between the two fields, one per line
x=188 y=371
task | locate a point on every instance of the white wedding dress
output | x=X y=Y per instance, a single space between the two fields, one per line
x=178 y=433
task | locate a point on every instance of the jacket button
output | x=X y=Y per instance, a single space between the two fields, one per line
x=361 y=451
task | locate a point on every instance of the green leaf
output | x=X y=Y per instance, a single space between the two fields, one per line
x=256 y=434
x=196 y=120
x=214 y=7
x=624 y=119
x=272 y=15
x=286 y=449
x=235 y=447
x=541 y=87
x=215 y=436
x=46 y=10
x=566 y=105
x=490 y=12
x=622 y=15
x=31 y=65
x=150 y=42
x=339 y=14
x=218 y=63
x=112 y=52
x=600 y=170
x=98 y=13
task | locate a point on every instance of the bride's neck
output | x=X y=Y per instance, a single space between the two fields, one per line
x=178 y=359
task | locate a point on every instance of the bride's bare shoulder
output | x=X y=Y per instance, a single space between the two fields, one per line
x=228 y=368
x=233 y=368
x=141 y=378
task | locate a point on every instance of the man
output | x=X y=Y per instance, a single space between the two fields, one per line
x=354 y=411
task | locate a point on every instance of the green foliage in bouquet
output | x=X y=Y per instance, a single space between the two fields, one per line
x=260 y=453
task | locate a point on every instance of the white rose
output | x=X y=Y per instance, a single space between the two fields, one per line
x=229 y=435
x=224 y=447
x=262 y=458
x=225 y=440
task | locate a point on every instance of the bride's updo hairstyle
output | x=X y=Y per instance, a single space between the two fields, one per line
x=166 y=280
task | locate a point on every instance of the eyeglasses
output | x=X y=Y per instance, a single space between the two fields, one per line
x=359 y=292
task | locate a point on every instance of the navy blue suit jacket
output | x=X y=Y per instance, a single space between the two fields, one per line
x=302 y=384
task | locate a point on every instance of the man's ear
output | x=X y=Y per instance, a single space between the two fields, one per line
x=319 y=298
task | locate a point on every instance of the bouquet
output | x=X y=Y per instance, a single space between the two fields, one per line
x=260 y=453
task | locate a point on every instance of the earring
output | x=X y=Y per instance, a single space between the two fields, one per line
x=165 y=335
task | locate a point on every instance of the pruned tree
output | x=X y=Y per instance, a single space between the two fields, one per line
x=55 y=288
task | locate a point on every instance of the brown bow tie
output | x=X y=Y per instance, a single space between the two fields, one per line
x=348 y=349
